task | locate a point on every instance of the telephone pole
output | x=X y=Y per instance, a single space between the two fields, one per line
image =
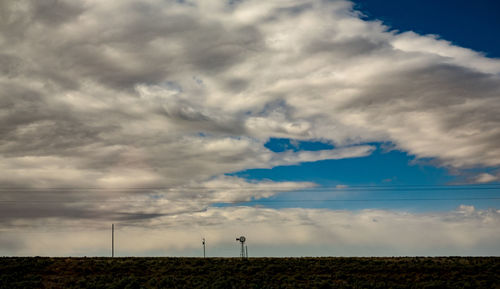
x=203 y=247
x=112 y=240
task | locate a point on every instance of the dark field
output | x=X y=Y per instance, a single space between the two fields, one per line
x=445 y=272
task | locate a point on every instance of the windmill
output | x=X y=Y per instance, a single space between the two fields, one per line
x=242 y=240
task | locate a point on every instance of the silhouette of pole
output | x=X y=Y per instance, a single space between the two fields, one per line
x=246 y=250
x=203 y=247
x=112 y=240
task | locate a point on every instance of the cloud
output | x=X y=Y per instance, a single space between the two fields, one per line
x=290 y=232
x=176 y=94
x=22 y=206
x=298 y=69
x=486 y=178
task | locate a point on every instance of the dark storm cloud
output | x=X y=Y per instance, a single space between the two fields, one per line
x=56 y=12
x=41 y=210
x=33 y=124
x=10 y=65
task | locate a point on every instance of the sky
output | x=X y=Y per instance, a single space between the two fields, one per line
x=313 y=128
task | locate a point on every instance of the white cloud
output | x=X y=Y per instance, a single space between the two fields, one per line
x=433 y=46
x=486 y=178
x=148 y=73
x=122 y=94
x=294 y=232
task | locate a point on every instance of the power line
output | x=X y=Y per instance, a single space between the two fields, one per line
x=257 y=200
x=375 y=200
x=271 y=189
x=260 y=187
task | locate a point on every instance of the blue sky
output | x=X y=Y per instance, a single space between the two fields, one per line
x=463 y=23
x=371 y=180
x=331 y=127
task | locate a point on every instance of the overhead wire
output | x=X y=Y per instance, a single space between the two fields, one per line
x=468 y=188
x=277 y=186
x=253 y=200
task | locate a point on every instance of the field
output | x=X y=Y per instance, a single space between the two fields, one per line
x=408 y=272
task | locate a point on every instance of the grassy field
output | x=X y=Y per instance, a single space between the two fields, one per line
x=419 y=272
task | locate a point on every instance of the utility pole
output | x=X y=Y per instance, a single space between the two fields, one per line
x=112 y=240
x=203 y=247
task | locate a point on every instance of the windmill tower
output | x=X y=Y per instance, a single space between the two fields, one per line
x=242 y=240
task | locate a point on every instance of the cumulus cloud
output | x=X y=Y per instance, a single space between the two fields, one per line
x=120 y=74
x=176 y=94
